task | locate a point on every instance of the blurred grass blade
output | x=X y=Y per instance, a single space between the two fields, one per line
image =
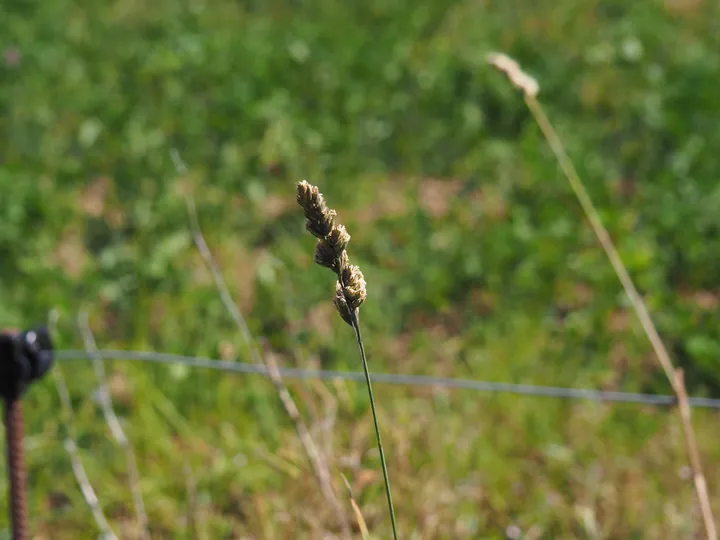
x=356 y=509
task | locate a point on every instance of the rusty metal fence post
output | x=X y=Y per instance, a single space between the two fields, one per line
x=24 y=358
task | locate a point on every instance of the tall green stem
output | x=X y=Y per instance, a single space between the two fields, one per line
x=383 y=464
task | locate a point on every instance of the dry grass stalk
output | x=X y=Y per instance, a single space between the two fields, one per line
x=318 y=461
x=356 y=510
x=78 y=469
x=316 y=456
x=70 y=445
x=118 y=434
x=194 y=517
x=325 y=426
x=530 y=90
x=350 y=291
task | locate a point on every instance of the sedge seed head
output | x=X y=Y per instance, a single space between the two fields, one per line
x=355 y=286
x=321 y=225
x=330 y=250
x=338 y=239
x=309 y=196
x=352 y=276
x=324 y=254
x=341 y=304
x=320 y=218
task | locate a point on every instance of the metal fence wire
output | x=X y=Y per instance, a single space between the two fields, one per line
x=392 y=378
x=23 y=359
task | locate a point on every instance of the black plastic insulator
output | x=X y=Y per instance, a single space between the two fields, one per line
x=24 y=358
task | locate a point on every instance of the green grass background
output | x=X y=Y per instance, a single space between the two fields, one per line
x=478 y=260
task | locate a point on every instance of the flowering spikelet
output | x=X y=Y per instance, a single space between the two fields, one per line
x=330 y=251
x=341 y=304
x=326 y=255
x=354 y=286
x=338 y=239
x=320 y=219
x=515 y=73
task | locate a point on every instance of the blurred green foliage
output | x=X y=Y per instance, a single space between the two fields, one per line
x=256 y=97
x=460 y=219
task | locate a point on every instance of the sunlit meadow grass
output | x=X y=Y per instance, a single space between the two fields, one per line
x=484 y=268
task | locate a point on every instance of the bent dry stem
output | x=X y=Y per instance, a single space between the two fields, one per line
x=530 y=89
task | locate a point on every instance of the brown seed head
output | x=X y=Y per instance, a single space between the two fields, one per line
x=355 y=286
x=320 y=218
x=338 y=239
x=341 y=304
x=324 y=254
x=330 y=250
x=322 y=225
x=308 y=196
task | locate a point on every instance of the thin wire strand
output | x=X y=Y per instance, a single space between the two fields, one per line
x=392 y=378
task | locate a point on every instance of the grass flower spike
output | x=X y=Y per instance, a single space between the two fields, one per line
x=341 y=304
x=320 y=219
x=350 y=289
x=330 y=249
x=354 y=286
